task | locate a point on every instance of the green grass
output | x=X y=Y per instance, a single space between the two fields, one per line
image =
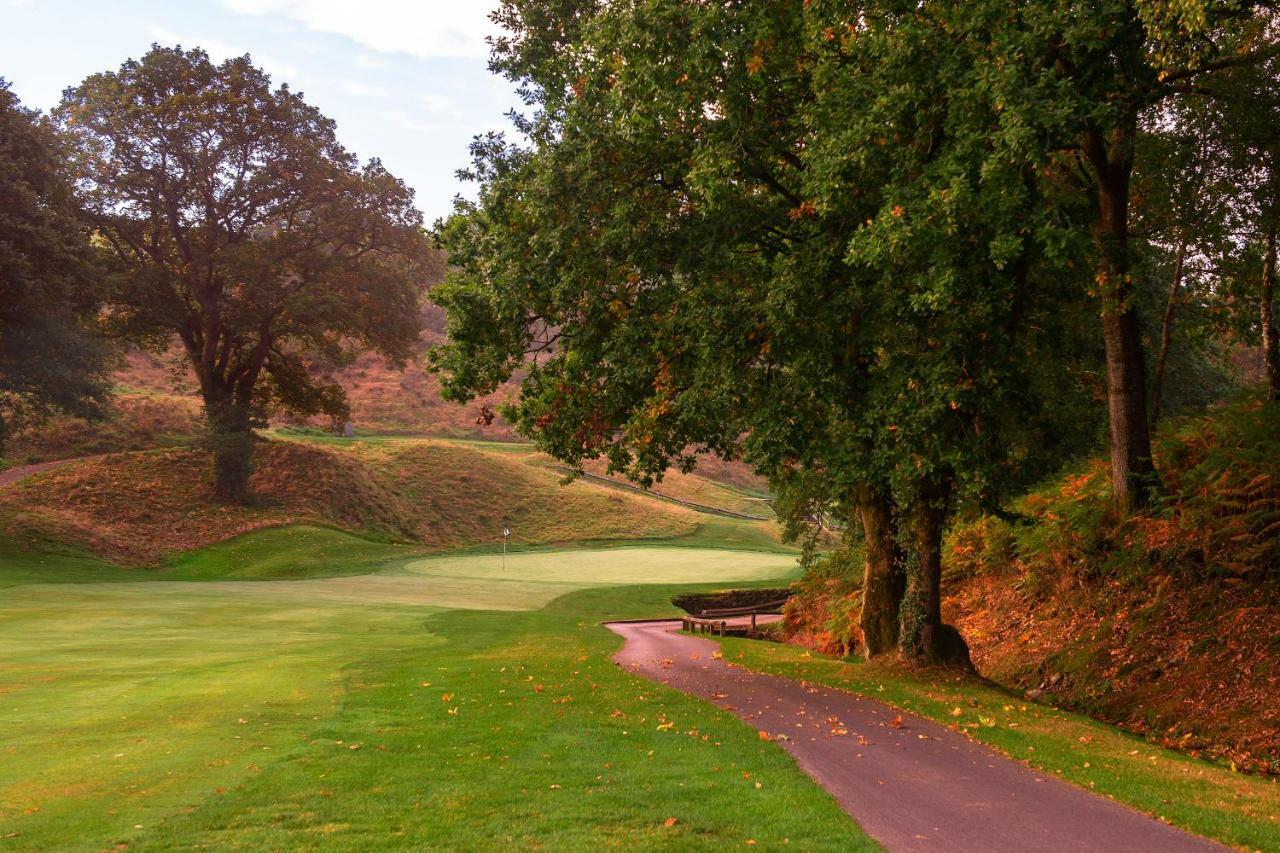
x=225 y=705
x=1240 y=810
x=293 y=552
x=21 y=566
x=270 y=715
x=297 y=551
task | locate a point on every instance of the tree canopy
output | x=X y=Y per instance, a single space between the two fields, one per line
x=745 y=230
x=237 y=223
x=861 y=245
x=52 y=356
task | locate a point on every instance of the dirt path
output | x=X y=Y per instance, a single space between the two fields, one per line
x=9 y=476
x=920 y=787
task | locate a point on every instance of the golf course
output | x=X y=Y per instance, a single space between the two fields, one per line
x=435 y=701
x=589 y=425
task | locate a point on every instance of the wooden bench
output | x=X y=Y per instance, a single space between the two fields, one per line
x=751 y=610
x=712 y=621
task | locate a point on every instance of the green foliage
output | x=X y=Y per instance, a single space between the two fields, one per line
x=832 y=247
x=1226 y=498
x=52 y=357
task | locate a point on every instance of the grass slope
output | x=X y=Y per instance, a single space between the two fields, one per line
x=141 y=507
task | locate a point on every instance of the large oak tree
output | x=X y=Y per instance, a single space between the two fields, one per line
x=792 y=236
x=240 y=225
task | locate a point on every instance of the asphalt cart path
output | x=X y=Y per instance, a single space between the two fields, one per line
x=912 y=784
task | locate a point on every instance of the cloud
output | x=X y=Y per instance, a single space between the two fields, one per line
x=439 y=104
x=362 y=90
x=365 y=62
x=421 y=28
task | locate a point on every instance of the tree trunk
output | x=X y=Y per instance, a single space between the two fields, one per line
x=1166 y=333
x=925 y=640
x=1270 y=346
x=1133 y=474
x=231 y=442
x=884 y=578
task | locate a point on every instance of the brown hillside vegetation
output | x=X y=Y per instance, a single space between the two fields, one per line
x=1167 y=623
x=382 y=399
x=140 y=507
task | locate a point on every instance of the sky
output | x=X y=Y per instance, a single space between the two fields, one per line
x=405 y=81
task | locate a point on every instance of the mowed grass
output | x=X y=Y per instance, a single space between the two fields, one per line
x=1240 y=810
x=230 y=714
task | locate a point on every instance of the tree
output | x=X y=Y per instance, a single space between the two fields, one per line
x=1110 y=62
x=51 y=355
x=238 y=224
x=1183 y=193
x=1246 y=101
x=791 y=236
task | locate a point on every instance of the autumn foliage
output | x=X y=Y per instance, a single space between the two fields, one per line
x=1163 y=622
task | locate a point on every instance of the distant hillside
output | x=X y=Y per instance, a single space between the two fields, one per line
x=140 y=507
x=382 y=399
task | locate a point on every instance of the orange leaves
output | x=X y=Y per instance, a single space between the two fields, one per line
x=896 y=723
x=670 y=822
x=804 y=210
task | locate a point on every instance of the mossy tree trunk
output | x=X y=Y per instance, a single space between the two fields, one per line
x=884 y=579
x=924 y=639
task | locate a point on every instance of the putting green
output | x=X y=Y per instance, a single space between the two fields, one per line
x=530 y=580
x=562 y=571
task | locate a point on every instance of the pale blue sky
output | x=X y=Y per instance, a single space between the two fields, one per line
x=406 y=81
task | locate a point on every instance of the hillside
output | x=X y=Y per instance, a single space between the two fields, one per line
x=382 y=399
x=139 y=507
x=1166 y=623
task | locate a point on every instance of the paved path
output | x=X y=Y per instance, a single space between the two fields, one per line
x=9 y=476
x=920 y=787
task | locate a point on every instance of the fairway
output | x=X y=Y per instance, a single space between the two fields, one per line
x=358 y=711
